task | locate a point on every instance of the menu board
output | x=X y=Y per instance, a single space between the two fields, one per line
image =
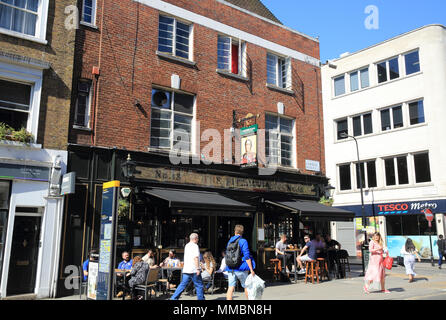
x=93 y=268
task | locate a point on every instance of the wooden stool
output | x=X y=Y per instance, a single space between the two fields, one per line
x=311 y=270
x=277 y=264
x=322 y=268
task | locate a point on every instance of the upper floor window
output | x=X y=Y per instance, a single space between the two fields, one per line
x=231 y=55
x=279 y=140
x=422 y=168
x=83 y=104
x=416 y=112
x=388 y=70
x=368 y=174
x=15 y=99
x=339 y=85
x=89 y=11
x=396 y=171
x=362 y=125
x=19 y=16
x=342 y=128
x=392 y=118
x=174 y=37
x=171 y=120
x=278 y=71
x=345 y=179
x=412 y=61
x=359 y=79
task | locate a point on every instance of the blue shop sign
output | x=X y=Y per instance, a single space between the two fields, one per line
x=399 y=208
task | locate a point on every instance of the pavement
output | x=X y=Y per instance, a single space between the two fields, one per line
x=429 y=284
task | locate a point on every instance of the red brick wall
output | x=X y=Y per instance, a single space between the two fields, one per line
x=128 y=73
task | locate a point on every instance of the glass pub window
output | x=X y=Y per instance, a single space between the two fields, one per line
x=422 y=168
x=19 y=15
x=278 y=71
x=279 y=140
x=416 y=112
x=412 y=61
x=173 y=37
x=345 y=180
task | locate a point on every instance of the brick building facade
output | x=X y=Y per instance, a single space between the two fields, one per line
x=146 y=68
x=36 y=72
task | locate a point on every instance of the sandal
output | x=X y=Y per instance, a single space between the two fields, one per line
x=366 y=289
x=385 y=291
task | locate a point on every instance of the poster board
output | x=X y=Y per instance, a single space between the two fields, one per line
x=93 y=268
x=249 y=147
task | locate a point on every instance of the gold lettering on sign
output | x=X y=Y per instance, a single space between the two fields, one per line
x=182 y=176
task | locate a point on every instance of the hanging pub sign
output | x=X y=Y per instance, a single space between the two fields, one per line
x=249 y=146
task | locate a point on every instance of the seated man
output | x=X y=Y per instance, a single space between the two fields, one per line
x=86 y=263
x=286 y=258
x=331 y=243
x=125 y=264
x=311 y=247
x=171 y=261
x=223 y=265
x=149 y=258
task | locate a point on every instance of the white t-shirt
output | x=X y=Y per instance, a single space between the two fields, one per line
x=191 y=251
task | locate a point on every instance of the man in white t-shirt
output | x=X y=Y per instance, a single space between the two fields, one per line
x=191 y=269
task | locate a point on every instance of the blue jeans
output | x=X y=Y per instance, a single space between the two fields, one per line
x=440 y=258
x=188 y=277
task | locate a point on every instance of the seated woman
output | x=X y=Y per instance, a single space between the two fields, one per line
x=139 y=275
x=208 y=268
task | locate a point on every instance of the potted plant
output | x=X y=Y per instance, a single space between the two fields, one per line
x=123 y=208
x=326 y=201
x=8 y=133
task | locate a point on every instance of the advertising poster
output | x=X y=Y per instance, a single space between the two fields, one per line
x=93 y=269
x=395 y=243
x=370 y=227
x=249 y=146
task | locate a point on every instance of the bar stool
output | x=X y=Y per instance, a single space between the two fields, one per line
x=323 y=268
x=312 y=270
x=277 y=265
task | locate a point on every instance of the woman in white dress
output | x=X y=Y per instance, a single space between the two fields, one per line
x=409 y=252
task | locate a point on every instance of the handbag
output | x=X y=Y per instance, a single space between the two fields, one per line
x=388 y=262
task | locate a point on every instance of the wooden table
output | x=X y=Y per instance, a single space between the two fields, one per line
x=294 y=252
x=124 y=271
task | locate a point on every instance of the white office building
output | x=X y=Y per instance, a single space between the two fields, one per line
x=391 y=98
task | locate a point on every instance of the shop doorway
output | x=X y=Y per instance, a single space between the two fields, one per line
x=225 y=230
x=24 y=253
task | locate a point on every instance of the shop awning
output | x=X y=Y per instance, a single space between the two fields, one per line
x=312 y=210
x=201 y=201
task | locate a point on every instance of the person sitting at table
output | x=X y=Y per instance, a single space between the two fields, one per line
x=223 y=265
x=125 y=264
x=208 y=267
x=149 y=258
x=311 y=247
x=331 y=243
x=86 y=263
x=138 y=274
x=286 y=258
x=171 y=260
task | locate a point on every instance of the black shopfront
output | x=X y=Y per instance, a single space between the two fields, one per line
x=168 y=202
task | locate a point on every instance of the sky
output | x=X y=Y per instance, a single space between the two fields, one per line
x=341 y=25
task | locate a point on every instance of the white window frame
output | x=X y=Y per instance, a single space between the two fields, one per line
x=242 y=56
x=293 y=142
x=412 y=161
x=352 y=176
x=88 y=107
x=286 y=61
x=392 y=125
x=336 y=128
x=395 y=164
x=362 y=123
x=387 y=61
x=403 y=58
x=41 y=25
x=93 y=14
x=172 y=121
x=346 y=84
x=366 y=174
x=174 y=32
x=29 y=76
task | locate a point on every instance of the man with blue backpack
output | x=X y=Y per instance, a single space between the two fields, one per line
x=239 y=262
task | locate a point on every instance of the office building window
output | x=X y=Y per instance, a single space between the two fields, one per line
x=359 y=79
x=279 y=139
x=345 y=180
x=422 y=168
x=339 y=85
x=174 y=37
x=362 y=125
x=342 y=127
x=392 y=118
x=278 y=71
x=388 y=70
x=416 y=112
x=15 y=99
x=396 y=171
x=89 y=11
x=171 y=121
x=19 y=15
x=368 y=174
x=231 y=55
x=412 y=61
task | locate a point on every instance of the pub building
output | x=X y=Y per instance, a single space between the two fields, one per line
x=168 y=202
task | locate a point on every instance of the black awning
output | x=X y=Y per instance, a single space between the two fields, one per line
x=312 y=210
x=199 y=200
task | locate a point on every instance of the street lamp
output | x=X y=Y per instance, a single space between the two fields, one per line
x=129 y=169
x=345 y=135
x=373 y=206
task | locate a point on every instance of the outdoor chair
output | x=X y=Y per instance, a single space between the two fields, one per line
x=209 y=281
x=323 y=268
x=150 y=284
x=342 y=256
x=277 y=265
x=311 y=271
x=82 y=284
x=220 y=281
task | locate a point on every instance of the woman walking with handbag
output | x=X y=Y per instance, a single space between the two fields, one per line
x=409 y=252
x=375 y=269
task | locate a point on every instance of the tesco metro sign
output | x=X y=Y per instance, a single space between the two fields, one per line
x=406 y=207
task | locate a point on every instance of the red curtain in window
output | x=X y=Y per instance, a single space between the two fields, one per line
x=234 y=59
